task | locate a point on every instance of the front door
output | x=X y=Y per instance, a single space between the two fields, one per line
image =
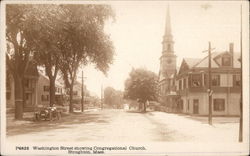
x=196 y=106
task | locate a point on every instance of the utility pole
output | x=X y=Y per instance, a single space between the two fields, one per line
x=82 y=92
x=210 y=91
x=241 y=97
x=209 y=85
x=101 y=98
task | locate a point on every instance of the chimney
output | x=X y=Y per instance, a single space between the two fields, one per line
x=231 y=51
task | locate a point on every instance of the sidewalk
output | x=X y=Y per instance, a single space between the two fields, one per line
x=199 y=130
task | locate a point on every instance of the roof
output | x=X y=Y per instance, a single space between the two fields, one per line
x=204 y=62
x=191 y=61
x=57 y=83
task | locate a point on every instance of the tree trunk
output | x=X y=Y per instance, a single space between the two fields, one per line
x=52 y=91
x=18 y=97
x=71 y=98
x=144 y=107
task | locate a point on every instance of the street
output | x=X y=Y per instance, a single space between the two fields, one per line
x=120 y=125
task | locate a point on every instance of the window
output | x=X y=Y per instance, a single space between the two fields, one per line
x=196 y=80
x=46 y=88
x=215 y=80
x=219 y=104
x=236 y=81
x=45 y=97
x=27 y=95
x=7 y=84
x=8 y=94
x=180 y=84
x=226 y=61
x=184 y=84
x=26 y=83
x=188 y=104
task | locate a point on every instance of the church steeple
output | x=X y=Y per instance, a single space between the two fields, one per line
x=168 y=58
x=168 y=43
x=168 y=24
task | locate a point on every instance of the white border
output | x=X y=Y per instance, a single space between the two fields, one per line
x=155 y=148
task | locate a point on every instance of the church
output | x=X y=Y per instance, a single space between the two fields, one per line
x=167 y=90
x=184 y=89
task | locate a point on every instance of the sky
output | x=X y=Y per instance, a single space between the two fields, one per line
x=138 y=31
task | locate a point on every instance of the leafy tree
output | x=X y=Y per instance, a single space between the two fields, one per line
x=113 y=97
x=19 y=52
x=45 y=34
x=84 y=41
x=141 y=85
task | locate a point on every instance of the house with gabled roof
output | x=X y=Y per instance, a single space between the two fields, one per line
x=192 y=84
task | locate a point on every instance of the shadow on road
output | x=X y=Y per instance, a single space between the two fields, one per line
x=66 y=121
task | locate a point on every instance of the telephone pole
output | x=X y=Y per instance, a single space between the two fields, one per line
x=82 y=101
x=210 y=91
x=101 y=97
x=209 y=85
x=241 y=96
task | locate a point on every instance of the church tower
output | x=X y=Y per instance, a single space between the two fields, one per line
x=168 y=58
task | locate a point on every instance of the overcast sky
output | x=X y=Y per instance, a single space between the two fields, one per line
x=139 y=28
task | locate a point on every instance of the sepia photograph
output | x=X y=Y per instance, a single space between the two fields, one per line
x=124 y=77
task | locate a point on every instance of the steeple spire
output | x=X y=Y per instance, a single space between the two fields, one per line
x=168 y=58
x=168 y=24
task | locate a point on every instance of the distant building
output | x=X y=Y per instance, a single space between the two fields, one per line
x=77 y=90
x=167 y=94
x=192 y=84
x=44 y=90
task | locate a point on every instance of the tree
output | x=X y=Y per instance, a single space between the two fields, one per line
x=108 y=95
x=45 y=34
x=141 y=85
x=113 y=97
x=84 y=41
x=19 y=52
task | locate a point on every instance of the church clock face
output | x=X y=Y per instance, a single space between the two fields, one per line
x=169 y=61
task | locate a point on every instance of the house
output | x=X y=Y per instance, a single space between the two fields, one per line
x=192 y=84
x=44 y=90
x=30 y=88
